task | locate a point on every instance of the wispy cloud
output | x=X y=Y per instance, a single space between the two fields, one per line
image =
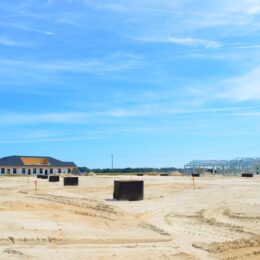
x=31 y=74
x=6 y=41
x=249 y=6
x=62 y=117
x=139 y=111
x=245 y=87
x=26 y=27
x=48 y=137
x=51 y=139
x=195 y=42
x=229 y=52
x=220 y=12
x=186 y=41
x=27 y=11
x=30 y=118
x=49 y=2
x=252 y=7
x=114 y=62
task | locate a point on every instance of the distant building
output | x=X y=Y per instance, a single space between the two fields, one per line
x=235 y=166
x=35 y=165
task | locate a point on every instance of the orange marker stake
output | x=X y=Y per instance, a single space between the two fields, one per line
x=35 y=183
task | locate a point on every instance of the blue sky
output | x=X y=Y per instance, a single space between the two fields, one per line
x=156 y=83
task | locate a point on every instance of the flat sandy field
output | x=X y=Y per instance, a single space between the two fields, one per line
x=218 y=219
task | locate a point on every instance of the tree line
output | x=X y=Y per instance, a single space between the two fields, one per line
x=127 y=170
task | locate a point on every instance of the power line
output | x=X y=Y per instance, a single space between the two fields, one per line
x=112 y=161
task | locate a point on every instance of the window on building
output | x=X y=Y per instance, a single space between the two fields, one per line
x=14 y=170
x=2 y=170
x=23 y=170
x=41 y=171
x=51 y=170
x=34 y=170
x=69 y=170
x=59 y=170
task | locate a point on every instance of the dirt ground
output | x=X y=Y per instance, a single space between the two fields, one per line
x=218 y=219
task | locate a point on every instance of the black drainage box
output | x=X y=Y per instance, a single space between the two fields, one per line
x=195 y=175
x=139 y=174
x=164 y=174
x=247 y=175
x=71 y=181
x=39 y=176
x=129 y=190
x=44 y=176
x=54 y=178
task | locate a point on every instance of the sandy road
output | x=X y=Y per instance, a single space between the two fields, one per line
x=219 y=219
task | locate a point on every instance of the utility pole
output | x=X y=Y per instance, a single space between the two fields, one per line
x=112 y=161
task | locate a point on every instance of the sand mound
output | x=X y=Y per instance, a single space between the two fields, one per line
x=91 y=174
x=177 y=173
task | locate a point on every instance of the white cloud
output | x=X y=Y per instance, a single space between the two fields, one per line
x=51 y=70
x=252 y=7
x=31 y=118
x=185 y=41
x=27 y=28
x=64 y=117
x=5 y=41
x=195 y=42
x=51 y=139
x=132 y=5
x=211 y=13
x=49 y=2
x=245 y=87
x=136 y=111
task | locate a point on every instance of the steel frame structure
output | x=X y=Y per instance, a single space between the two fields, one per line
x=224 y=167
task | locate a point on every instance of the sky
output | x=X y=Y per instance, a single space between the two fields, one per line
x=156 y=83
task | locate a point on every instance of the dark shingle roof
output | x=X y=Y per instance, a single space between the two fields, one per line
x=16 y=161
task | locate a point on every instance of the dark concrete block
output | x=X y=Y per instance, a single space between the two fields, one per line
x=71 y=181
x=247 y=175
x=54 y=178
x=129 y=190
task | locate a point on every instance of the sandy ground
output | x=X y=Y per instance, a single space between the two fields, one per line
x=219 y=219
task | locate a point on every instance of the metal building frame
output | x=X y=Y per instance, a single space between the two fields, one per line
x=224 y=167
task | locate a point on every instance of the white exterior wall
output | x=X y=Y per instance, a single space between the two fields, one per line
x=19 y=170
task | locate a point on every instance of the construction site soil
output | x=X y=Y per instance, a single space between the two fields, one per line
x=217 y=218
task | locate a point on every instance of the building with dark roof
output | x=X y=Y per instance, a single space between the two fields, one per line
x=35 y=165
